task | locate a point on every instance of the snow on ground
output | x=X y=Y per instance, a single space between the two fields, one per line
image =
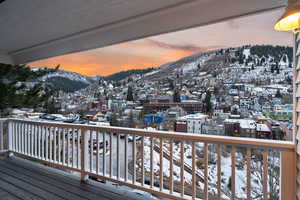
x=151 y=73
x=240 y=169
x=247 y=53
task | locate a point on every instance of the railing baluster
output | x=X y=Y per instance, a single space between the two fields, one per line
x=79 y=135
x=91 y=150
x=126 y=157
x=142 y=155
x=64 y=145
x=194 y=190
x=205 y=171
x=54 y=142
x=35 y=141
x=161 y=165
x=9 y=136
x=26 y=140
x=151 y=163
x=50 y=143
x=39 y=141
x=219 y=154
x=103 y=153
x=22 y=138
x=118 y=156
x=97 y=153
x=43 y=142
x=29 y=132
x=47 y=140
x=171 y=167
x=59 y=144
x=110 y=154
x=31 y=140
x=134 y=159
x=182 y=168
x=73 y=147
x=248 y=160
x=68 y=147
x=15 y=136
x=233 y=173
x=265 y=175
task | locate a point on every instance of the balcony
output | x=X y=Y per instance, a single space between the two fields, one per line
x=169 y=165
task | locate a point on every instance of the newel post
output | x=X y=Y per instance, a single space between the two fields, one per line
x=84 y=155
x=288 y=175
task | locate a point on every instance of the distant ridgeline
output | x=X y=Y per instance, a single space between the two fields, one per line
x=67 y=81
x=124 y=74
x=20 y=87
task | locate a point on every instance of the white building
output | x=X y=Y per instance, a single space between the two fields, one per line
x=194 y=122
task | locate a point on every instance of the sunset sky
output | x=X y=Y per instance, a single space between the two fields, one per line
x=157 y=50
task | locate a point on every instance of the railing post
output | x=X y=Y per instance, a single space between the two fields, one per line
x=84 y=154
x=288 y=175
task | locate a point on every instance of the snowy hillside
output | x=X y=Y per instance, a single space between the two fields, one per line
x=69 y=75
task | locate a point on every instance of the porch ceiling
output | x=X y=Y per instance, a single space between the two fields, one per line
x=34 y=29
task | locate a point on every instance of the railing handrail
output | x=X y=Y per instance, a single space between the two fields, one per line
x=228 y=140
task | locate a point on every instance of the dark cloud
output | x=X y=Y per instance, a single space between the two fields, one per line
x=185 y=47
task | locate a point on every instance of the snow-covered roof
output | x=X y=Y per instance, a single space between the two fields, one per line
x=262 y=127
x=244 y=123
x=193 y=116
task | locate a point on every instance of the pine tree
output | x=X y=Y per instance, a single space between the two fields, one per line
x=277 y=68
x=129 y=94
x=113 y=119
x=207 y=102
x=131 y=123
x=278 y=94
x=171 y=85
x=272 y=69
x=176 y=96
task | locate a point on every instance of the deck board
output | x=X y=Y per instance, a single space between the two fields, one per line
x=57 y=183
x=23 y=180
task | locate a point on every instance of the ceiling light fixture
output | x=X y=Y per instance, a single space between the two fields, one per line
x=290 y=20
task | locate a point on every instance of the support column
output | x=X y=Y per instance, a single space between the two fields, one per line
x=296 y=109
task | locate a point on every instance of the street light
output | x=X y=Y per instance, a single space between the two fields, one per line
x=290 y=20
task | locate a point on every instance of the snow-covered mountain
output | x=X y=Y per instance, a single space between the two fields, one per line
x=70 y=75
x=68 y=81
x=218 y=61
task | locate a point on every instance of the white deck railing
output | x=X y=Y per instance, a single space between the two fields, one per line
x=173 y=165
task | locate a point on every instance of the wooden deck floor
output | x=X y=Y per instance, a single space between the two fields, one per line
x=24 y=180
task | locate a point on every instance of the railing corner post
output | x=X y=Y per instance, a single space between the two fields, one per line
x=84 y=155
x=288 y=174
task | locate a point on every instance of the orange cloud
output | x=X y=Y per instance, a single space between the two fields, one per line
x=105 y=61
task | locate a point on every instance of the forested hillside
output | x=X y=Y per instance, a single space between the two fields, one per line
x=121 y=75
x=66 y=84
x=19 y=87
